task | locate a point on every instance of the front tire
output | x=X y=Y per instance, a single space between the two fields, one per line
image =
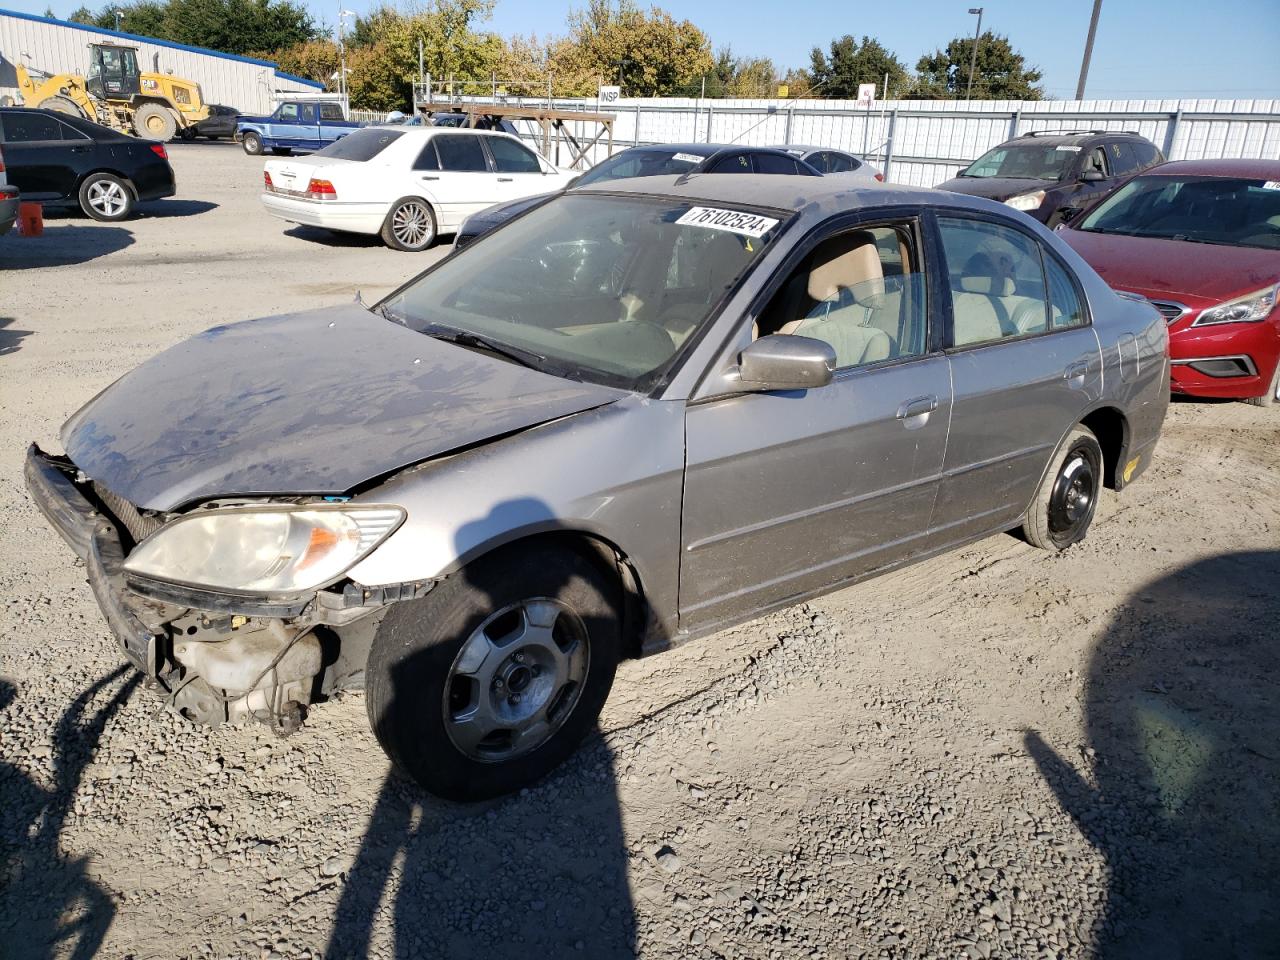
x=106 y=197
x=493 y=679
x=252 y=144
x=1272 y=396
x=410 y=225
x=63 y=105
x=1067 y=498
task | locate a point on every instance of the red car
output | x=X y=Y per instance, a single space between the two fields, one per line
x=1200 y=239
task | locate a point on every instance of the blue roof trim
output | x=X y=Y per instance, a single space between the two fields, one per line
x=157 y=42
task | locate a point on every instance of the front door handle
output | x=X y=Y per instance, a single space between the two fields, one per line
x=81 y=149
x=429 y=178
x=917 y=407
x=505 y=179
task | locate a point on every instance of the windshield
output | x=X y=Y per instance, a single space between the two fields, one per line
x=640 y=163
x=361 y=144
x=1027 y=161
x=1221 y=210
x=593 y=287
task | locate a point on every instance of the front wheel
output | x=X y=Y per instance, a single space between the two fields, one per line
x=492 y=680
x=1068 y=495
x=410 y=225
x=252 y=144
x=1272 y=396
x=104 y=196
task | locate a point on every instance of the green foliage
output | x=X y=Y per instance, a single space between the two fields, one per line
x=232 y=26
x=1001 y=74
x=81 y=15
x=836 y=75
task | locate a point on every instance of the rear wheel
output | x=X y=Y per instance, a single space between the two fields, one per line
x=1068 y=495
x=252 y=144
x=154 y=121
x=64 y=105
x=104 y=196
x=410 y=225
x=1272 y=396
x=492 y=680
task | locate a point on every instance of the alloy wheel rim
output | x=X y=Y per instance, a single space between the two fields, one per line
x=1074 y=495
x=411 y=224
x=107 y=198
x=516 y=680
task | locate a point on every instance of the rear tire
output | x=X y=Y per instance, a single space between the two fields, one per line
x=154 y=122
x=106 y=197
x=1067 y=498
x=252 y=144
x=1272 y=396
x=410 y=225
x=492 y=680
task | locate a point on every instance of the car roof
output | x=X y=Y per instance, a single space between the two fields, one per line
x=818 y=197
x=90 y=129
x=809 y=148
x=1076 y=138
x=1242 y=168
x=431 y=130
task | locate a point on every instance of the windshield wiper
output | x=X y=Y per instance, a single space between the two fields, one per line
x=464 y=338
x=386 y=313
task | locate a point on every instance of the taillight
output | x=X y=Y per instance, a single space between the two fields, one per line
x=159 y=150
x=1 y=161
x=880 y=177
x=266 y=181
x=320 y=190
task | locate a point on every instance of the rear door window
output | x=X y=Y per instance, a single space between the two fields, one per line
x=1146 y=153
x=774 y=163
x=461 y=153
x=840 y=163
x=30 y=127
x=998 y=289
x=737 y=163
x=331 y=111
x=361 y=144
x=511 y=157
x=1122 y=159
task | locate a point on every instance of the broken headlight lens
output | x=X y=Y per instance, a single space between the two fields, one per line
x=284 y=549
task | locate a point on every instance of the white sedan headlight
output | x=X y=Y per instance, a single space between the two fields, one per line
x=268 y=549
x=1250 y=308
x=1026 y=201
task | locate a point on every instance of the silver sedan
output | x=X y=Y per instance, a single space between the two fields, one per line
x=634 y=415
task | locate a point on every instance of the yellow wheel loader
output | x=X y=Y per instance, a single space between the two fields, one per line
x=117 y=95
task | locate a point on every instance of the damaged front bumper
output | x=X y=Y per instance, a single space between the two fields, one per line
x=217 y=657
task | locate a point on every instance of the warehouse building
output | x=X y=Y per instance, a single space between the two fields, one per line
x=59 y=46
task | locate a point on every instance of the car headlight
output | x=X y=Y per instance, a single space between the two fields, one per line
x=1026 y=201
x=1250 y=308
x=266 y=549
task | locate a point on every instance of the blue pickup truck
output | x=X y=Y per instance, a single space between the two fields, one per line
x=299 y=126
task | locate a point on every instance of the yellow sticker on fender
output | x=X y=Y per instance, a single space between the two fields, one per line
x=734 y=221
x=1129 y=467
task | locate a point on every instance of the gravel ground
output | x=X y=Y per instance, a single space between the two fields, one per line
x=997 y=753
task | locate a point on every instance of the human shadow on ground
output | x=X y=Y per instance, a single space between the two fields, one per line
x=49 y=905
x=539 y=873
x=1183 y=715
x=10 y=338
x=61 y=245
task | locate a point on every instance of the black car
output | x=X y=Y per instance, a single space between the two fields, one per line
x=481 y=123
x=1054 y=175
x=221 y=122
x=59 y=160
x=650 y=161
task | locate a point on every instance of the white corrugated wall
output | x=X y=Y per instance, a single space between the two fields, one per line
x=58 y=48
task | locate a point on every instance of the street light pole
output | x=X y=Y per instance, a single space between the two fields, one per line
x=973 y=60
x=1088 y=49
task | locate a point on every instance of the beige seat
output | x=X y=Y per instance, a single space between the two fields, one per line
x=845 y=286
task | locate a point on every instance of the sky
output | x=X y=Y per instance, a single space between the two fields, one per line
x=1145 y=49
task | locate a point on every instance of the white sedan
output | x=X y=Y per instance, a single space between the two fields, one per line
x=406 y=184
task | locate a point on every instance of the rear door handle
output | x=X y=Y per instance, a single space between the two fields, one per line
x=1076 y=371
x=81 y=149
x=917 y=407
x=505 y=179
x=429 y=178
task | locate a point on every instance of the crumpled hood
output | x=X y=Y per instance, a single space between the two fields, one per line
x=995 y=188
x=306 y=403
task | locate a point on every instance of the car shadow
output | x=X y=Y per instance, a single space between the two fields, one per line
x=51 y=905
x=333 y=238
x=542 y=872
x=11 y=339
x=1183 y=794
x=174 y=208
x=62 y=245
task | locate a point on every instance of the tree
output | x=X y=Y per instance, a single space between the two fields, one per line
x=314 y=60
x=232 y=26
x=1001 y=74
x=650 y=54
x=81 y=15
x=837 y=75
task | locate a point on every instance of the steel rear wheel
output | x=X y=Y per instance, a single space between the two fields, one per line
x=492 y=680
x=104 y=196
x=1067 y=498
x=410 y=225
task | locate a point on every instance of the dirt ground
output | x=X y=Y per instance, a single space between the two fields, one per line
x=997 y=753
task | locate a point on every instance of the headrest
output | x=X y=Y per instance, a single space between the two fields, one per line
x=991 y=286
x=843 y=262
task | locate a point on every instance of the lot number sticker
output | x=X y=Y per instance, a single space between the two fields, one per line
x=733 y=221
x=687 y=157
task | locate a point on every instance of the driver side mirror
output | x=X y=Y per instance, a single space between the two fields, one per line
x=785 y=362
x=1092 y=176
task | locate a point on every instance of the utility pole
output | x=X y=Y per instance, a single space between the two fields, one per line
x=973 y=60
x=1088 y=49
